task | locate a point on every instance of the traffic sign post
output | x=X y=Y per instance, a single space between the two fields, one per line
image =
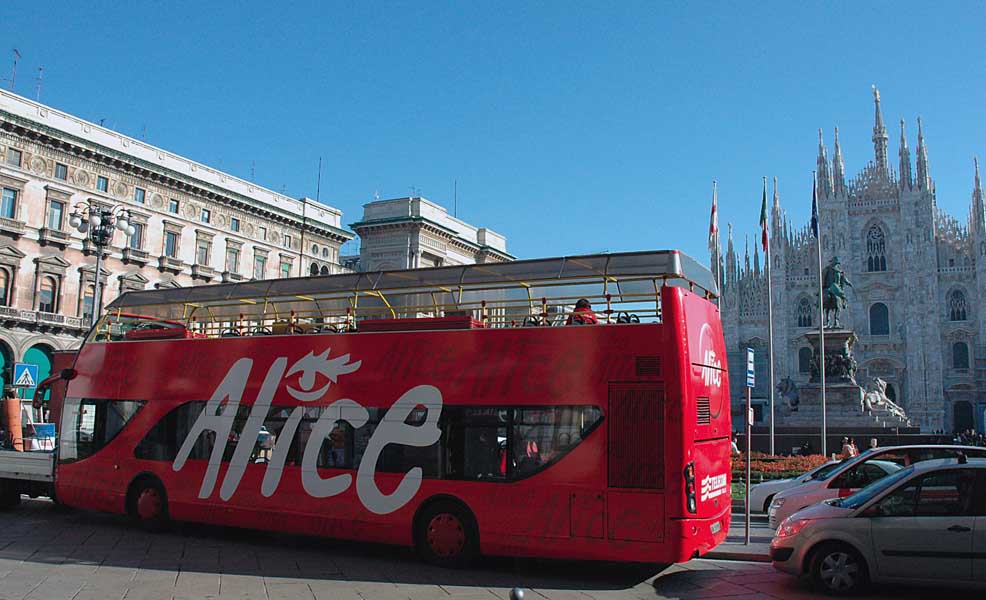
x=751 y=377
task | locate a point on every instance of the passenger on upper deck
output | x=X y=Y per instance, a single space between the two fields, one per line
x=583 y=314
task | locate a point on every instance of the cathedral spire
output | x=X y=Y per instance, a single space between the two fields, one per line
x=756 y=260
x=776 y=217
x=824 y=176
x=730 y=255
x=746 y=257
x=923 y=176
x=978 y=224
x=838 y=169
x=905 y=160
x=879 y=135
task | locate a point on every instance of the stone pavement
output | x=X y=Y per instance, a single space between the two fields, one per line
x=47 y=553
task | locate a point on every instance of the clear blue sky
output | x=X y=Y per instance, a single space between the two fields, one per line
x=569 y=128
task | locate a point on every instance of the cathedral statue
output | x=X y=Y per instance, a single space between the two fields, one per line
x=834 y=301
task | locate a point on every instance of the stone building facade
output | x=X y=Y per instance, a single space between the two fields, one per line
x=916 y=274
x=194 y=225
x=407 y=233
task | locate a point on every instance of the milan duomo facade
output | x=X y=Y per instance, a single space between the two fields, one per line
x=916 y=273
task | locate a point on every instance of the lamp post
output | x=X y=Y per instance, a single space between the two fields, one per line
x=98 y=222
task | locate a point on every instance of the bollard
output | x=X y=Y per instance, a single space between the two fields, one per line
x=517 y=594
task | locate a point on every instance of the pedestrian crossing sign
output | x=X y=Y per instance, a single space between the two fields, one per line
x=25 y=375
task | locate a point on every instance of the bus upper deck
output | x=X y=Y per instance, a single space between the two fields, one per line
x=623 y=287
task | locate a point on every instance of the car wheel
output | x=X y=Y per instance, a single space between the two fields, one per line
x=766 y=503
x=838 y=569
x=147 y=504
x=446 y=534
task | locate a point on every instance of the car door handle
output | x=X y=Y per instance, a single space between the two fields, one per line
x=958 y=528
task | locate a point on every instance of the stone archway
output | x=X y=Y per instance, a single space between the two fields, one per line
x=39 y=354
x=962 y=417
x=6 y=364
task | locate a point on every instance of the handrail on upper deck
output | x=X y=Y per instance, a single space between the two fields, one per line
x=498 y=294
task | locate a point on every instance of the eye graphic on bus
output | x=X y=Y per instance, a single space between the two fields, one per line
x=312 y=365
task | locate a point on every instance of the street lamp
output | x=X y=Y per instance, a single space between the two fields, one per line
x=98 y=223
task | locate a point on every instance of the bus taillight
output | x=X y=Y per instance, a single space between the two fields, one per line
x=690 y=487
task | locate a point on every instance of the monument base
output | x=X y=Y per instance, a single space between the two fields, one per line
x=844 y=407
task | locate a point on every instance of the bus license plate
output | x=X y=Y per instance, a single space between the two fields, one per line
x=716 y=527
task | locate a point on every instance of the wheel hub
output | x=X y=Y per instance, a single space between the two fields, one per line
x=839 y=571
x=149 y=504
x=446 y=535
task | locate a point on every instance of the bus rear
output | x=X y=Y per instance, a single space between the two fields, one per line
x=698 y=460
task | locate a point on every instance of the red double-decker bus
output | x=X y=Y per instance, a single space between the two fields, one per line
x=452 y=409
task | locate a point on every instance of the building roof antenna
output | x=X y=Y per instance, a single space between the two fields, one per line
x=40 y=72
x=13 y=73
x=318 y=184
x=455 y=198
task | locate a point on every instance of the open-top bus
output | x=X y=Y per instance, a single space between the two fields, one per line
x=450 y=409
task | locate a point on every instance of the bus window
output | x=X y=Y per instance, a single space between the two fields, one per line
x=88 y=425
x=475 y=442
x=541 y=436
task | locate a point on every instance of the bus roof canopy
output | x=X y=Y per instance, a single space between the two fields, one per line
x=465 y=286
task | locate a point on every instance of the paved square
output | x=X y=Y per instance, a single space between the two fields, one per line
x=47 y=553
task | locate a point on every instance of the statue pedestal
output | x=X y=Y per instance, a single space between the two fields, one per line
x=840 y=365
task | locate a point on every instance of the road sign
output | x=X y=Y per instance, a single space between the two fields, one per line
x=750 y=375
x=749 y=416
x=25 y=375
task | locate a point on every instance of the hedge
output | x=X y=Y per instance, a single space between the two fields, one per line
x=764 y=466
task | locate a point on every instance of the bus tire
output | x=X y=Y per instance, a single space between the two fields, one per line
x=446 y=534
x=10 y=495
x=147 y=503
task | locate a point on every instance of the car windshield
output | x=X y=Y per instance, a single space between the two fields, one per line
x=824 y=472
x=874 y=489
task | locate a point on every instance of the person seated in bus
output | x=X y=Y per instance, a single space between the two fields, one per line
x=529 y=457
x=337 y=437
x=583 y=314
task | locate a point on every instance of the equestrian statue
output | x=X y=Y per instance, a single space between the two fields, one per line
x=834 y=301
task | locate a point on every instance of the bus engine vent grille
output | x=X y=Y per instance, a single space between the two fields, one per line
x=648 y=365
x=703 y=411
x=636 y=436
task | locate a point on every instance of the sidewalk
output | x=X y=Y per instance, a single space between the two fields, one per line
x=734 y=547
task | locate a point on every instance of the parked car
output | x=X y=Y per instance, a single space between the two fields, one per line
x=856 y=473
x=762 y=494
x=923 y=524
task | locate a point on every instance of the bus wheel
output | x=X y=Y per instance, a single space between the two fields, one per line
x=147 y=504
x=446 y=535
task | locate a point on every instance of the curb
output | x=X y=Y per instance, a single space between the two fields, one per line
x=743 y=556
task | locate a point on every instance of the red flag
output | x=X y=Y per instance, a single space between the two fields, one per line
x=714 y=222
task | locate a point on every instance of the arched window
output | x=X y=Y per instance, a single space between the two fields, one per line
x=314 y=249
x=956 y=306
x=48 y=295
x=4 y=287
x=325 y=270
x=325 y=252
x=879 y=319
x=88 y=301
x=876 y=258
x=805 y=311
x=313 y=270
x=960 y=355
x=804 y=360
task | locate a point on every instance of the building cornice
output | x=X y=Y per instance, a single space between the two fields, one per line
x=90 y=150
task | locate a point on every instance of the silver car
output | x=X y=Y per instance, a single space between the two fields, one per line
x=925 y=524
x=762 y=494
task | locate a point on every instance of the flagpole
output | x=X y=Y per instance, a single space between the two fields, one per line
x=770 y=331
x=821 y=317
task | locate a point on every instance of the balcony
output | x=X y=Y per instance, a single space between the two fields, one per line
x=135 y=256
x=12 y=315
x=168 y=263
x=53 y=237
x=203 y=272
x=229 y=276
x=9 y=313
x=12 y=226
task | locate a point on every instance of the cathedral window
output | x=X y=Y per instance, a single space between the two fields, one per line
x=876 y=259
x=804 y=360
x=956 y=306
x=879 y=319
x=805 y=311
x=960 y=355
